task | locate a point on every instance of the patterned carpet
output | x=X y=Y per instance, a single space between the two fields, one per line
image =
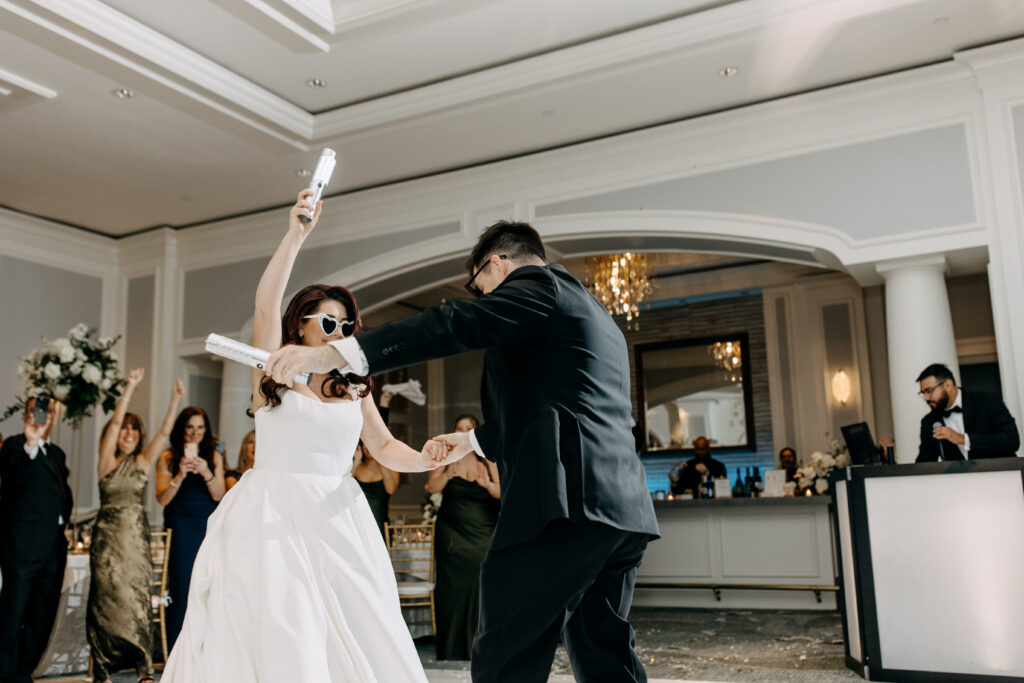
x=698 y=645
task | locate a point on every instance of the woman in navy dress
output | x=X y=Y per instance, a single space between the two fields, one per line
x=189 y=484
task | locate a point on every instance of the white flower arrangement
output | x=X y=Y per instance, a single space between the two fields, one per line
x=431 y=506
x=75 y=370
x=814 y=475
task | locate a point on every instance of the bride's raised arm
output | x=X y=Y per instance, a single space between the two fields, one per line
x=266 y=327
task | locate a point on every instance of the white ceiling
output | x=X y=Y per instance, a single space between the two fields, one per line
x=222 y=118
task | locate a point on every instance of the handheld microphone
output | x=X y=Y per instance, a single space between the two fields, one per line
x=321 y=176
x=226 y=347
x=936 y=425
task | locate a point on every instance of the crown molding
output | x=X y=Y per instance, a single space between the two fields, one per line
x=122 y=40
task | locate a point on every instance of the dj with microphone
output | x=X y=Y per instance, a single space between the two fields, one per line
x=963 y=425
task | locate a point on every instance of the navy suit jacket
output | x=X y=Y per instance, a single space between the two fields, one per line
x=988 y=423
x=555 y=397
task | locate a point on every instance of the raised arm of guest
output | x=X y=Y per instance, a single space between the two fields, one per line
x=108 y=442
x=153 y=449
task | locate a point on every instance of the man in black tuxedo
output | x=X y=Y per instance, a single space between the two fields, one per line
x=35 y=505
x=963 y=425
x=576 y=514
x=689 y=474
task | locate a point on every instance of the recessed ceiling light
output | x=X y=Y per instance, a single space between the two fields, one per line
x=303 y=173
x=939 y=21
x=123 y=93
x=728 y=72
x=316 y=83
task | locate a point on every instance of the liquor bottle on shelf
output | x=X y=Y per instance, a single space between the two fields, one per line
x=739 y=490
x=709 y=486
x=748 y=484
x=758 y=484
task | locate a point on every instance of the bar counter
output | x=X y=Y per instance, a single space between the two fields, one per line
x=741 y=553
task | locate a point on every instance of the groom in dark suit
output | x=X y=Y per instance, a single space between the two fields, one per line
x=963 y=425
x=35 y=506
x=576 y=514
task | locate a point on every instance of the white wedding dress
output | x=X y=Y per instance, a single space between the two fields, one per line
x=293 y=581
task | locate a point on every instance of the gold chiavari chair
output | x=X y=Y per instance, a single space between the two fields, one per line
x=160 y=553
x=411 y=548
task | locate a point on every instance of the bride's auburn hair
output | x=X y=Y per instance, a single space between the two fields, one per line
x=305 y=302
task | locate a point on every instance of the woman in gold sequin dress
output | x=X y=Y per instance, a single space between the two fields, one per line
x=118 y=620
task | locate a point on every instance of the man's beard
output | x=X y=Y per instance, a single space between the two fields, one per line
x=941 y=404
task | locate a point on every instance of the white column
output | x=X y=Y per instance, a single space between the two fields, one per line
x=235 y=400
x=919 y=331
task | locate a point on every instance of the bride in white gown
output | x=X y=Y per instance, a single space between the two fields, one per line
x=293 y=582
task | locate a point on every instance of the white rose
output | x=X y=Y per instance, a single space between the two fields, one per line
x=92 y=374
x=105 y=384
x=105 y=341
x=821 y=485
x=52 y=370
x=80 y=355
x=827 y=461
x=67 y=354
x=76 y=368
x=22 y=371
x=34 y=392
x=111 y=373
x=60 y=392
x=843 y=460
x=79 y=331
x=436 y=498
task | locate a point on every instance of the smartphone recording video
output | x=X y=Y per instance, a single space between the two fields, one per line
x=40 y=411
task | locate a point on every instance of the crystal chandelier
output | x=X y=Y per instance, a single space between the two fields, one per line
x=620 y=282
x=727 y=356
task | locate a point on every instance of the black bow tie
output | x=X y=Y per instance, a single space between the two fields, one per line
x=954 y=409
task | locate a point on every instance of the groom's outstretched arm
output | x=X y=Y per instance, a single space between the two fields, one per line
x=517 y=309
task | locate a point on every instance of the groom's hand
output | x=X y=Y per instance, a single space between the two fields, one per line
x=288 y=361
x=457 y=444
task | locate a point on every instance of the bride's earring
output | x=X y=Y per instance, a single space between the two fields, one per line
x=301 y=334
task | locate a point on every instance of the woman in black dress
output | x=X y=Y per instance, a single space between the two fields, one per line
x=465 y=523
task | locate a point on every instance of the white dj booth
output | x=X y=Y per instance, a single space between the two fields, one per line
x=931 y=564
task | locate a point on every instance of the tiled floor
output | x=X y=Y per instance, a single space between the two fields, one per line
x=699 y=646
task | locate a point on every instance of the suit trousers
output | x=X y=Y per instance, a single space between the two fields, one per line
x=575 y=580
x=29 y=601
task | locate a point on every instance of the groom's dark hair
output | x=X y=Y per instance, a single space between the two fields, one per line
x=514 y=240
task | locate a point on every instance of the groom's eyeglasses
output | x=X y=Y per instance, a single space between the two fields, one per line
x=470 y=287
x=329 y=324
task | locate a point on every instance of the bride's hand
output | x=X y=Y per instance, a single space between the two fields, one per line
x=304 y=207
x=458 y=446
x=433 y=454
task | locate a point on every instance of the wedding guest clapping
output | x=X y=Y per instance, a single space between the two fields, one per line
x=35 y=506
x=119 y=615
x=189 y=483
x=246 y=460
x=465 y=524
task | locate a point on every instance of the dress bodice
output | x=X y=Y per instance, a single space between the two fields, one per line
x=304 y=435
x=123 y=486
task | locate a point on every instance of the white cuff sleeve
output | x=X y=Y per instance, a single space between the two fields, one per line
x=33 y=451
x=353 y=355
x=475 y=443
x=967 y=443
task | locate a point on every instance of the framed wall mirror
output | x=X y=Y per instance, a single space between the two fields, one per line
x=696 y=387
